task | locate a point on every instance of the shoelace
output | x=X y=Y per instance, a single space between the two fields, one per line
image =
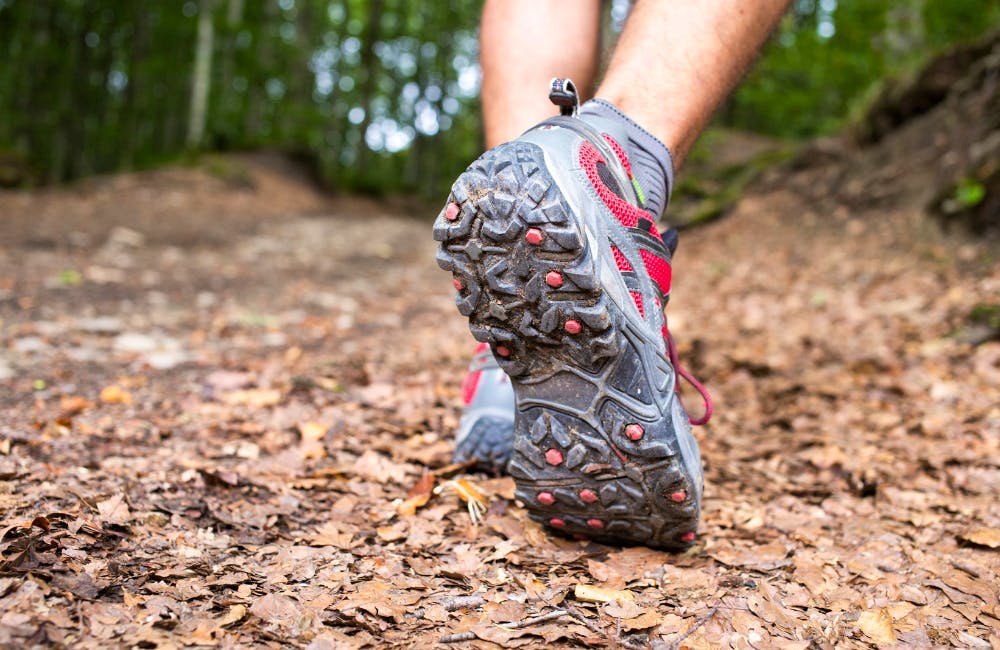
x=682 y=371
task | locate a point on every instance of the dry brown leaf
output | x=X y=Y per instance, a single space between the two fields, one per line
x=418 y=496
x=115 y=510
x=594 y=594
x=649 y=618
x=234 y=615
x=313 y=434
x=332 y=533
x=312 y=431
x=627 y=565
x=877 y=625
x=988 y=537
x=132 y=600
x=508 y=611
x=253 y=397
x=763 y=557
x=393 y=533
x=502 y=487
x=373 y=466
x=202 y=635
x=71 y=405
x=466 y=490
x=622 y=608
x=115 y=394
x=276 y=608
x=374 y=597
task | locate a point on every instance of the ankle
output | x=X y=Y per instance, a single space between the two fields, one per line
x=652 y=161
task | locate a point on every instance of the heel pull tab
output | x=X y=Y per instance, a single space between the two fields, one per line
x=562 y=93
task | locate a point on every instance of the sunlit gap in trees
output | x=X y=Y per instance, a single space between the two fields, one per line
x=394 y=131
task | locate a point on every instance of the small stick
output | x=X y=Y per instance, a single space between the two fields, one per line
x=582 y=618
x=516 y=625
x=676 y=644
x=594 y=627
x=513 y=625
x=461 y=602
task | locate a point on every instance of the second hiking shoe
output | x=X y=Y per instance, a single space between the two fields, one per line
x=564 y=275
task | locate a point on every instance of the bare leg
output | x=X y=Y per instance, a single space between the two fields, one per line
x=677 y=60
x=523 y=44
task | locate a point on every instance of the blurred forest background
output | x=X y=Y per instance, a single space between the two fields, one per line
x=378 y=95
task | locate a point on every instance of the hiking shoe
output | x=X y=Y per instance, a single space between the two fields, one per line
x=486 y=430
x=563 y=274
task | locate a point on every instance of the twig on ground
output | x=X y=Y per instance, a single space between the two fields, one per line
x=513 y=625
x=461 y=602
x=579 y=616
x=541 y=618
x=676 y=643
x=582 y=618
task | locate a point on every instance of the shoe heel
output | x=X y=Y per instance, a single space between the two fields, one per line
x=522 y=273
x=526 y=278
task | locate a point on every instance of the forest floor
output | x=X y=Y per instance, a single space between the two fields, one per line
x=216 y=388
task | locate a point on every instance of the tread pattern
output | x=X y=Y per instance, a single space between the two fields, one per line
x=527 y=283
x=489 y=443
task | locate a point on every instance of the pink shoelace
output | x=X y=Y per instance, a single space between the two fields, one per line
x=682 y=371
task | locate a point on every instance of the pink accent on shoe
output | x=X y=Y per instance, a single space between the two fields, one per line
x=554 y=279
x=469 y=386
x=595 y=523
x=503 y=351
x=572 y=326
x=451 y=212
x=534 y=236
x=546 y=498
x=588 y=496
x=620 y=261
x=457 y=284
x=557 y=522
x=688 y=536
x=634 y=432
x=553 y=457
x=678 y=496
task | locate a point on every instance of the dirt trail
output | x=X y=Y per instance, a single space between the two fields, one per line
x=203 y=435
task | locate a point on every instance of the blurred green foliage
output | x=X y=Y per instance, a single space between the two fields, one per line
x=379 y=94
x=829 y=56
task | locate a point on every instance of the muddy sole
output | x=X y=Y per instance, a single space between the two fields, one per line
x=595 y=455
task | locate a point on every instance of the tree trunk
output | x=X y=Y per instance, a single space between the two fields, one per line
x=258 y=74
x=133 y=139
x=234 y=13
x=74 y=109
x=201 y=77
x=369 y=63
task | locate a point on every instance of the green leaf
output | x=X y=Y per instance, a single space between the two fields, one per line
x=969 y=193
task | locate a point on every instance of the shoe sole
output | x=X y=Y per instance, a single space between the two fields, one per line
x=488 y=443
x=594 y=457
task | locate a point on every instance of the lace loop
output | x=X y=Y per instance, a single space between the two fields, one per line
x=706 y=398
